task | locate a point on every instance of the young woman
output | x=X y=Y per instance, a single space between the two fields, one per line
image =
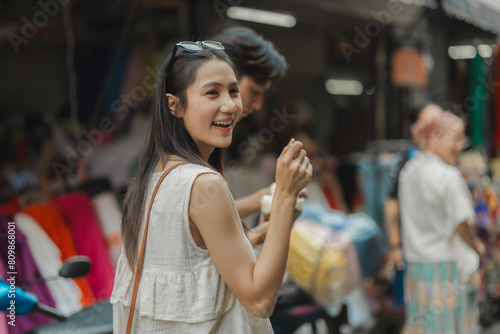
x=199 y=273
x=439 y=243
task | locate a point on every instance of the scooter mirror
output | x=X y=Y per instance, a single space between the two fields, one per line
x=75 y=267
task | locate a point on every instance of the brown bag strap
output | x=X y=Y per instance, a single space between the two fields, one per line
x=141 y=254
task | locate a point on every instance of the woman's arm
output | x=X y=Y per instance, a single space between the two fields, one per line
x=257 y=235
x=255 y=284
x=251 y=203
x=467 y=233
x=393 y=228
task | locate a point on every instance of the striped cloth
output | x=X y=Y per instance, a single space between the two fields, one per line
x=435 y=301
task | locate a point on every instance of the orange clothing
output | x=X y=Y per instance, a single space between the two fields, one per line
x=51 y=219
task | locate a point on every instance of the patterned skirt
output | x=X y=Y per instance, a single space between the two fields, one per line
x=436 y=302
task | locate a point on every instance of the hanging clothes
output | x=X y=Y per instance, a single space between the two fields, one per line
x=109 y=214
x=375 y=170
x=82 y=222
x=51 y=219
x=47 y=256
x=496 y=99
x=486 y=208
x=27 y=270
x=477 y=101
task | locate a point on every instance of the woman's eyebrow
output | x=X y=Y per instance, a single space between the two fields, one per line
x=218 y=84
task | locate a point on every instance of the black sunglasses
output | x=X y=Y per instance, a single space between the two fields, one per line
x=193 y=47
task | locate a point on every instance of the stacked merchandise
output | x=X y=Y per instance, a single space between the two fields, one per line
x=331 y=253
x=486 y=205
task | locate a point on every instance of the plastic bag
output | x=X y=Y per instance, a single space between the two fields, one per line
x=317 y=267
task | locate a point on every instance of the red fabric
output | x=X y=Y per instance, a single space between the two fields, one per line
x=51 y=219
x=358 y=201
x=89 y=240
x=332 y=199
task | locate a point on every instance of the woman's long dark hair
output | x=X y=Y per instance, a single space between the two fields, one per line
x=166 y=137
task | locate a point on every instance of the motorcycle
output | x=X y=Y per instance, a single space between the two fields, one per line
x=95 y=319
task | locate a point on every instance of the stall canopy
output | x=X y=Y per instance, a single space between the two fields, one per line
x=484 y=14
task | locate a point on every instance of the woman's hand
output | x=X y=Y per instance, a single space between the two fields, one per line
x=293 y=170
x=396 y=257
x=480 y=249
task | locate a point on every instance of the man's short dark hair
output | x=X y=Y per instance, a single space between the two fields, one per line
x=252 y=55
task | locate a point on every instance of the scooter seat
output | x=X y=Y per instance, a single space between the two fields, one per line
x=95 y=319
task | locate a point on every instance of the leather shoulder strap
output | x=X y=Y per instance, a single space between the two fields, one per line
x=141 y=254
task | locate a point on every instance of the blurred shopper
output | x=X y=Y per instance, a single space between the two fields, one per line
x=439 y=243
x=419 y=120
x=258 y=64
x=257 y=61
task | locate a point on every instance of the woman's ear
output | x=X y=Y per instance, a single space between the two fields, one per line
x=173 y=103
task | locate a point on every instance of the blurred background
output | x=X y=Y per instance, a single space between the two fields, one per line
x=76 y=79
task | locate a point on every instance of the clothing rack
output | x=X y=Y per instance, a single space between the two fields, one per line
x=389 y=145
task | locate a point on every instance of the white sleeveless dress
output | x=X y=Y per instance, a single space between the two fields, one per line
x=180 y=290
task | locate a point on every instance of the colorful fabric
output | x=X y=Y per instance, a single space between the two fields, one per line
x=435 y=301
x=496 y=98
x=89 y=241
x=478 y=90
x=26 y=270
x=51 y=219
x=109 y=215
x=66 y=293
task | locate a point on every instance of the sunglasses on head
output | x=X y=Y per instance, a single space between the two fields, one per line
x=193 y=47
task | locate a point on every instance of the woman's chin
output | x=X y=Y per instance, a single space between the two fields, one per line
x=224 y=144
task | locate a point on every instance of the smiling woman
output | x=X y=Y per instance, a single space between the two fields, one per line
x=214 y=105
x=198 y=272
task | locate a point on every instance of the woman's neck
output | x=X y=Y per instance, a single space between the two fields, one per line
x=171 y=160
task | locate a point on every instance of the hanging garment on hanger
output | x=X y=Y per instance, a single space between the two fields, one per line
x=89 y=241
x=109 y=215
x=477 y=79
x=47 y=256
x=51 y=219
x=496 y=100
